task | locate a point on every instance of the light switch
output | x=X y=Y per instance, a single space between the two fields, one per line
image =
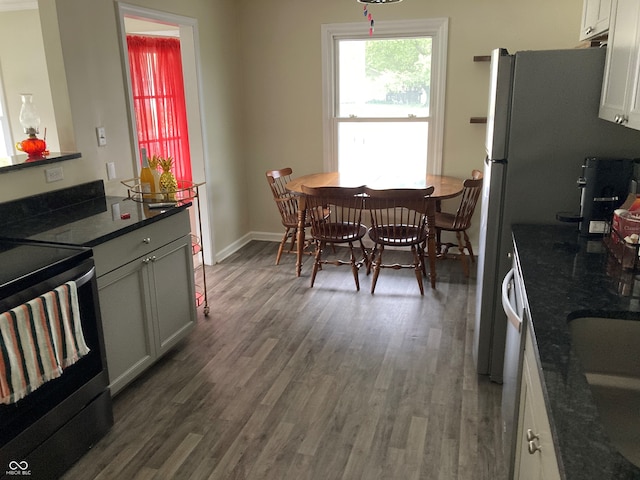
x=102 y=136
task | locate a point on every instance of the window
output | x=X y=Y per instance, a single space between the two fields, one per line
x=384 y=98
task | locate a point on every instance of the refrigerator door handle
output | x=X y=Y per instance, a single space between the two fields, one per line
x=512 y=315
x=501 y=161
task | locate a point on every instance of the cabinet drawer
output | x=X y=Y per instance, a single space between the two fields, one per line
x=121 y=250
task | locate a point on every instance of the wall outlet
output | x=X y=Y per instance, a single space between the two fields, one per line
x=54 y=174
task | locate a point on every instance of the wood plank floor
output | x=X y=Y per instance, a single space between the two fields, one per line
x=286 y=382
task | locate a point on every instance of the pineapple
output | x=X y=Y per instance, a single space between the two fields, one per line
x=168 y=183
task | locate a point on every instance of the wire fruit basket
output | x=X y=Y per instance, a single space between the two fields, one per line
x=186 y=191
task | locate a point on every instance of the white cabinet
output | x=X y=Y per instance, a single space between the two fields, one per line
x=595 y=18
x=620 y=102
x=147 y=295
x=535 y=454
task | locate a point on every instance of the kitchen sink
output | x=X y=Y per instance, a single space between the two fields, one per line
x=609 y=350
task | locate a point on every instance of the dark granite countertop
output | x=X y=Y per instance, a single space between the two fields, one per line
x=19 y=162
x=567 y=276
x=79 y=216
x=89 y=223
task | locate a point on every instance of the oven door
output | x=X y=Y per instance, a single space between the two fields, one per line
x=28 y=425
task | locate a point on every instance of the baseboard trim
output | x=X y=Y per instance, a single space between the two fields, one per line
x=267 y=236
x=233 y=248
x=274 y=237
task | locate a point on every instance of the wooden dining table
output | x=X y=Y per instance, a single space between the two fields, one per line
x=444 y=187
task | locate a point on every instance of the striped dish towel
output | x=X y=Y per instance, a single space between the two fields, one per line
x=38 y=339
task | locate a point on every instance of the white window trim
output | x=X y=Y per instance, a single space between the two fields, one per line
x=437 y=28
x=4 y=121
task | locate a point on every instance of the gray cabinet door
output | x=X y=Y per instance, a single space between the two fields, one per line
x=126 y=322
x=174 y=308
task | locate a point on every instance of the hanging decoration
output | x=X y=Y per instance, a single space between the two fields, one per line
x=370 y=18
x=368 y=14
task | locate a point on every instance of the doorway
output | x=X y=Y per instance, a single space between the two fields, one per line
x=142 y=21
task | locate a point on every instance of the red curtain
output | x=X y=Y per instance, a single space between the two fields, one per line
x=159 y=102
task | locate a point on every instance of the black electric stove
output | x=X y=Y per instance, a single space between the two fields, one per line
x=26 y=263
x=45 y=242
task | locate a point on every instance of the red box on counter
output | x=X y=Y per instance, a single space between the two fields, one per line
x=626 y=224
x=625 y=253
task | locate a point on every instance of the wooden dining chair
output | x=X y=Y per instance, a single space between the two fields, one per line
x=336 y=218
x=460 y=221
x=287 y=204
x=398 y=219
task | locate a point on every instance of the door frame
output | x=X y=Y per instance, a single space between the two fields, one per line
x=188 y=29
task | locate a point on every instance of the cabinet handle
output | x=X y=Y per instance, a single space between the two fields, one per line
x=532 y=442
x=152 y=258
x=621 y=119
x=588 y=30
x=533 y=447
x=146 y=240
x=531 y=436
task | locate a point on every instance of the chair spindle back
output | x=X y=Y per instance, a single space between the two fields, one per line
x=399 y=215
x=287 y=203
x=334 y=212
x=470 y=195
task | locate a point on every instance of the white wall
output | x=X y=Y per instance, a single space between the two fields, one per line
x=282 y=75
x=261 y=73
x=24 y=70
x=97 y=96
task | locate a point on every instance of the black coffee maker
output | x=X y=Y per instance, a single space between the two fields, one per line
x=605 y=185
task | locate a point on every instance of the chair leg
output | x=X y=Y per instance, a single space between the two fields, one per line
x=432 y=254
x=376 y=261
x=294 y=236
x=422 y=259
x=372 y=258
x=463 y=256
x=365 y=256
x=316 y=263
x=417 y=267
x=354 y=266
x=469 y=247
x=281 y=247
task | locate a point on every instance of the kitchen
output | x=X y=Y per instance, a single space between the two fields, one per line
x=94 y=75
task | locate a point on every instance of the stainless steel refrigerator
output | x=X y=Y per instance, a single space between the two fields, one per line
x=542 y=123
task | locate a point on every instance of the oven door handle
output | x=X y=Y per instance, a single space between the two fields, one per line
x=512 y=315
x=86 y=277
